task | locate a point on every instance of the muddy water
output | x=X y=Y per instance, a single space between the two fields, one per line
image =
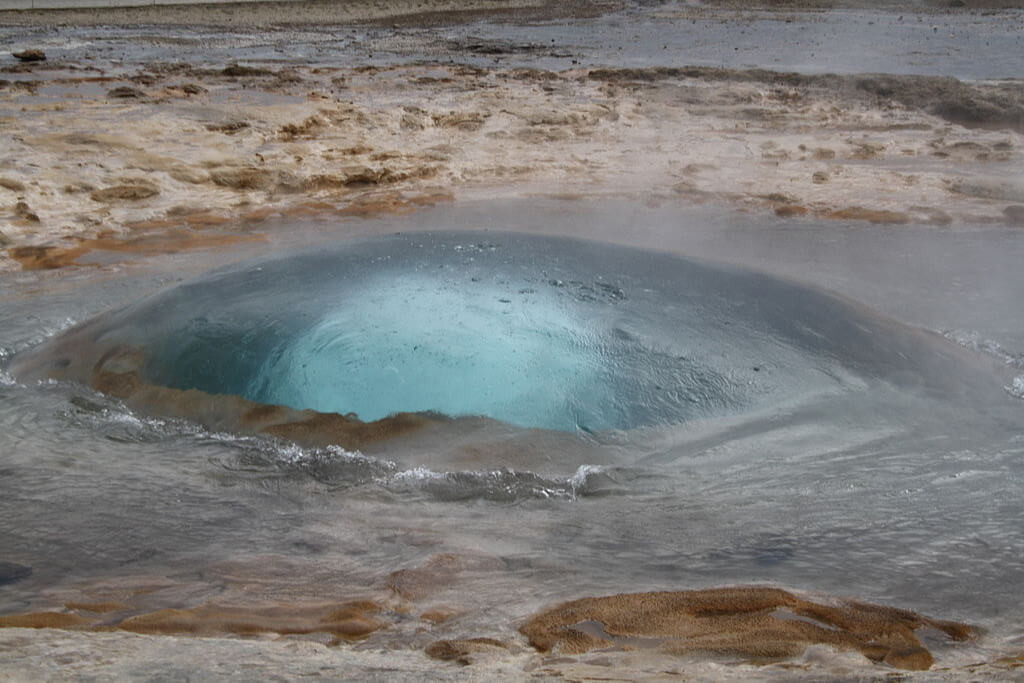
x=894 y=488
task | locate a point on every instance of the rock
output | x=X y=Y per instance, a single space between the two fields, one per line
x=237 y=70
x=12 y=571
x=1014 y=214
x=192 y=89
x=12 y=185
x=819 y=177
x=124 y=92
x=31 y=55
x=130 y=192
x=4 y=241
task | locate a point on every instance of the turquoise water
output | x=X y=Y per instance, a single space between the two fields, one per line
x=538 y=332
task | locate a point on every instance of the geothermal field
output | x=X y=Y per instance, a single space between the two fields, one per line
x=492 y=339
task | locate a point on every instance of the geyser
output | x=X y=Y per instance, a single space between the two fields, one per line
x=418 y=343
x=535 y=331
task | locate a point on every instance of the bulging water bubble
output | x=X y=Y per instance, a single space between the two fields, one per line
x=536 y=332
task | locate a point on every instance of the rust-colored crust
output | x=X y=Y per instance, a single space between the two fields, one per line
x=751 y=622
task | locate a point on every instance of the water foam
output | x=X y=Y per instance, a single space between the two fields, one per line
x=1016 y=389
x=974 y=341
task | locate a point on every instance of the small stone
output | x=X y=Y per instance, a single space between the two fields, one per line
x=228 y=127
x=238 y=70
x=192 y=89
x=31 y=55
x=819 y=177
x=4 y=240
x=125 y=92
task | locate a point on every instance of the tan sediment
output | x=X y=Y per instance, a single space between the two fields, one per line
x=754 y=623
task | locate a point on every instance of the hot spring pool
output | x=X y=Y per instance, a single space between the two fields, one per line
x=588 y=419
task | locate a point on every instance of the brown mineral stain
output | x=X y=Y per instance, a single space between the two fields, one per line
x=307 y=129
x=168 y=242
x=228 y=127
x=391 y=203
x=437 y=572
x=115 y=371
x=130 y=192
x=346 y=621
x=44 y=257
x=1016 y=662
x=791 y=210
x=12 y=185
x=324 y=429
x=418 y=582
x=437 y=616
x=859 y=213
x=248 y=178
x=752 y=622
x=462 y=650
x=24 y=211
x=43 y=620
x=98 y=607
